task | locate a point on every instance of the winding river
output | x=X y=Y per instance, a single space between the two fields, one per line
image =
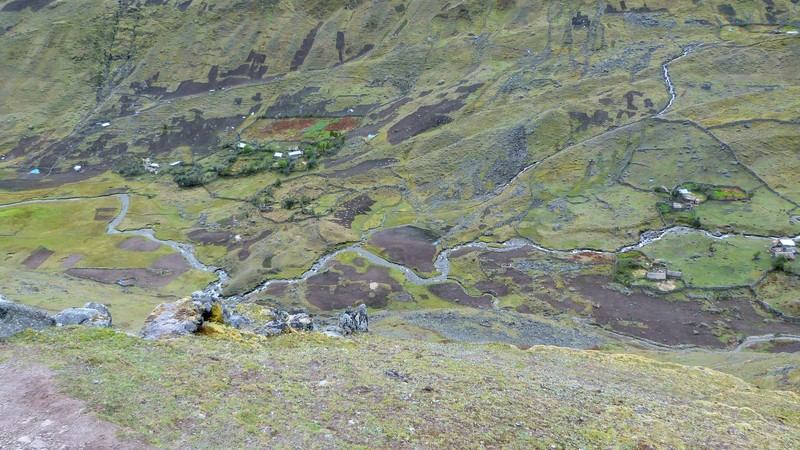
x=442 y=263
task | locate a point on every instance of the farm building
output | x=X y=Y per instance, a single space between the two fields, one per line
x=656 y=276
x=786 y=248
x=687 y=196
x=674 y=274
x=295 y=154
x=278 y=155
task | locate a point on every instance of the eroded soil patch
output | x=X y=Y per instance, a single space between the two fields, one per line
x=423 y=119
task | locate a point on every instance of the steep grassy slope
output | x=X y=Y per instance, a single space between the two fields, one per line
x=473 y=120
x=302 y=389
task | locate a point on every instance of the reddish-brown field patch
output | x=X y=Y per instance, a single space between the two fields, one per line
x=407 y=245
x=206 y=237
x=138 y=244
x=159 y=275
x=104 y=214
x=672 y=322
x=36 y=258
x=343 y=125
x=341 y=286
x=71 y=260
x=279 y=129
x=454 y=293
x=346 y=213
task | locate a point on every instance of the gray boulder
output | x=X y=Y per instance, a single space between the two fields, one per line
x=346 y=323
x=92 y=314
x=361 y=319
x=351 y=321
x=235 y=319
x=171 y=320
x=15 y=318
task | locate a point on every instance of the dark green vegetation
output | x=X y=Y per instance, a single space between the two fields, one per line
x=432 y=134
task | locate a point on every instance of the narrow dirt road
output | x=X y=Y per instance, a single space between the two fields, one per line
x=34 y=414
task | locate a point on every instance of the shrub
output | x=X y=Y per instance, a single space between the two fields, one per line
x=130 y=169
x=188 y=178
x=289 y=202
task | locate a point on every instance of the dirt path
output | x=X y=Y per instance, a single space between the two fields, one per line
x=34 y=414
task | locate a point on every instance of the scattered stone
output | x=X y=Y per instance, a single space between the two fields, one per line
x=286 y=322
x=24 y=440
x=333 y=331
x=15 y=318
x=38 y=443
x=46 y=423
x=397 y=375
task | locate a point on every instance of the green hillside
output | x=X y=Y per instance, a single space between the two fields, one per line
x=479 y=171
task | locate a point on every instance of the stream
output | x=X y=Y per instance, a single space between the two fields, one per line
x=668 y=80
x=442 y=263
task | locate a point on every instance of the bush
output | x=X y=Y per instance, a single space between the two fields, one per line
x=288 y=202
x=130 y=169
x=188 y=178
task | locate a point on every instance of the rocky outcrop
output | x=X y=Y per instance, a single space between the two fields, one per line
x=187 y=316
x=286 y=322
x=171 y=320
x=92 y=314
x=350 y=322
x=15 y=318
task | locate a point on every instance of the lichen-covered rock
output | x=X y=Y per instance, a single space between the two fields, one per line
x=170 y=320
x=92 y=314
x=361 y=319
x=346 y=323
x=15 y=318
x=351 y=321
x=234 y=319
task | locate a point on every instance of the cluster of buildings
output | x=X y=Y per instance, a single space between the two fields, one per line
x=292 y=154
x=662 y=274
